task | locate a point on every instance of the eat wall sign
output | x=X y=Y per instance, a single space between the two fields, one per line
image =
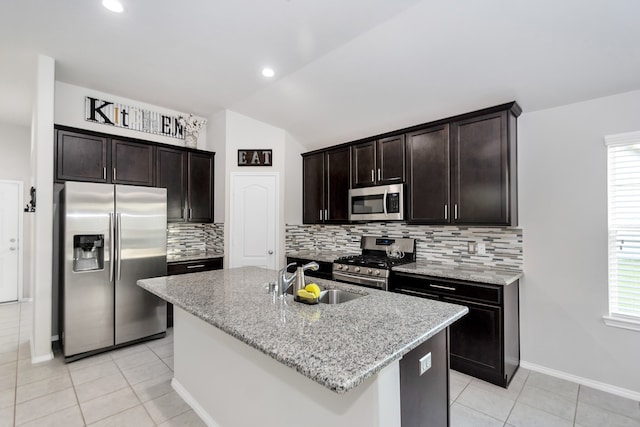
x=254 y=158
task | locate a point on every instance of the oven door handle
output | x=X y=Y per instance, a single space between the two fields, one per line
x=379 y=283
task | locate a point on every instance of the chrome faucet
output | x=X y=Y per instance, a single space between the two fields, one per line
x=284 y=282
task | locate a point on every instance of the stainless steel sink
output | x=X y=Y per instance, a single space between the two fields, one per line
x=337 y=296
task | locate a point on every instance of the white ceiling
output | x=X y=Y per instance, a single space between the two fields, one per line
x=346 y=69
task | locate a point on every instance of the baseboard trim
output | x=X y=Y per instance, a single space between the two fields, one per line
x=186 y=396
x=618 y=391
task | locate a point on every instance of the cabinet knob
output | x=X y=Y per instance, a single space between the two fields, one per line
x=270 y=252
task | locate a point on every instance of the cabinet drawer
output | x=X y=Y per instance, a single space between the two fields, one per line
x=491 y=294
x=193 y=266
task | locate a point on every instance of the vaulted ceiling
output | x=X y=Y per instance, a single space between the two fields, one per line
x=345 y=69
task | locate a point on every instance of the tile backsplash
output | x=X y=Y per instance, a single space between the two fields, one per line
x=185 y=238
x=439 y=244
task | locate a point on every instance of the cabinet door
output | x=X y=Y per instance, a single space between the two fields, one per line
x=390 y=160
x=132 y=163
x=364 y=164
x=337 y=184
x=200 y=187
x=81 y=157
x=428 y=176
x=313 y=188
x=480 y=166
x=171 y=173
x=476 y=341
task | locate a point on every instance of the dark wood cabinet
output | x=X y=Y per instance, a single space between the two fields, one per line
x=326 y=179
x=485 y=343
x=378 y=162
x=81 y=157
x=132 y=163
x=428 y=185
x=171 y=173
x=484 y=170
x=188 y=178
x=200 y=187
x=324 y=272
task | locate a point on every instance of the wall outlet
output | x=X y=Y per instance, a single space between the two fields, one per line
x=472 y=247
x=425 y=363
x=481 y=248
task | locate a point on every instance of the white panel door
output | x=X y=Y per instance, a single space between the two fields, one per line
x=10 y=229
x=253 y=231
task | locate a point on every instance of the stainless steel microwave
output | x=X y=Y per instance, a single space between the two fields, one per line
x=381 y=203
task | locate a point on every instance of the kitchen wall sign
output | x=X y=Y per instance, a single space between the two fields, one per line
x=134 y=118
x=254 y=158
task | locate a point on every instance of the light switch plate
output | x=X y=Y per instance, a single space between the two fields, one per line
x=425 y=363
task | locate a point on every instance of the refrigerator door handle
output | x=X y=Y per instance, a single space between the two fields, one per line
x=112 y=264
x=119 y=243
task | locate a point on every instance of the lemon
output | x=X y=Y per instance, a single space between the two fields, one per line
x=313 y=288
x=302 y=293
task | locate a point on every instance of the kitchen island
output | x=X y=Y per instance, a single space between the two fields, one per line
x=244 y=356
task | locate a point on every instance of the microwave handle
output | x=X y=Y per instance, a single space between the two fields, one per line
x=384 y=203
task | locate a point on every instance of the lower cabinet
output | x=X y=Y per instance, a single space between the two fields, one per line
x=485 y=343
x=183 y=267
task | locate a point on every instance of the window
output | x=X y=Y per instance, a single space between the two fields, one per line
x=623 y=168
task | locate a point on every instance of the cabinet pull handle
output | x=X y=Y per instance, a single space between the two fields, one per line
x=407 y=291
x=320 y=215
x=379 y=175
x=196 y=266
x=446 y=288
x=104 y=173
x=446 y=212
x=326 y=214
x=114 y=174
x=373 y=175
x=455 y=211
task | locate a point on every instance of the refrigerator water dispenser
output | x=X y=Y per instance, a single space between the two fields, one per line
x=88 y=252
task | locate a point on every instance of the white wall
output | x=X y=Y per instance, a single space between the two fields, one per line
x=69 y=111
x=293 y=184
x=42 y=236
x=563 y=212
x=15 y=165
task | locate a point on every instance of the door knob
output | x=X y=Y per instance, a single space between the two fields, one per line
x=270 y=252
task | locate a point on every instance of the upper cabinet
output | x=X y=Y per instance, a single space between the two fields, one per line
x=378 y=162
x=187 y=174
x=326 y=186
x=132 y=163
x=81 y=157
x=464 y=172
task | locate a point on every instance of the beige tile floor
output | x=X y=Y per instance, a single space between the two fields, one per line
x=131 y=387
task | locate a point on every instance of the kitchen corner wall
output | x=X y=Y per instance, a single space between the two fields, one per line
x=189 y=238
x=438 y=244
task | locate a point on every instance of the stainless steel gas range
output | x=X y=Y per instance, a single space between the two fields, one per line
x=373 y=267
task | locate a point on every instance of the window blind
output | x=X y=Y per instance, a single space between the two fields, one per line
x=623 y=154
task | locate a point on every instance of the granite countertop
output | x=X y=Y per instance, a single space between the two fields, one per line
x=461 y=272
x=338 y=346
x=195 y=256
x=319 y=255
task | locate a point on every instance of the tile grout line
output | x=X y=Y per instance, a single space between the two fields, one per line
x=524 y=383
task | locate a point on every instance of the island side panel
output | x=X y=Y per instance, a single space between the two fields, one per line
x=425 y=398
x=230 y=383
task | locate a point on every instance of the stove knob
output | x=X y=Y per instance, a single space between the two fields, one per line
x=357 y=270
x=369 y=271
x=339 y=266
x=377 y=272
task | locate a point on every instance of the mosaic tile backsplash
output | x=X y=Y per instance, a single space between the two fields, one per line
x=188 y=238
x=438 y=244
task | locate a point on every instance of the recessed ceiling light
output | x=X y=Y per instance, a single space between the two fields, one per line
x=113 y=5
x=268 y=72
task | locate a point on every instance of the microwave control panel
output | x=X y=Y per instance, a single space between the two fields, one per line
x=393 y=203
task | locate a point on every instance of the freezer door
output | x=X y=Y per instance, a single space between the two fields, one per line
x=87 y=292
x=141 y=247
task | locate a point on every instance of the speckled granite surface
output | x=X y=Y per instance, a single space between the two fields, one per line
x=326 y=256
x=470 y=273
x=194 y=256
x=338 y=346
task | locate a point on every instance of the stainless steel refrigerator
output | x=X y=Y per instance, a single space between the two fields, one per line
x=111 y=236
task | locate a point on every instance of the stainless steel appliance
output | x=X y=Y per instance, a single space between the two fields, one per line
x=381 y=203
x=111 y=236
x=373 y=267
